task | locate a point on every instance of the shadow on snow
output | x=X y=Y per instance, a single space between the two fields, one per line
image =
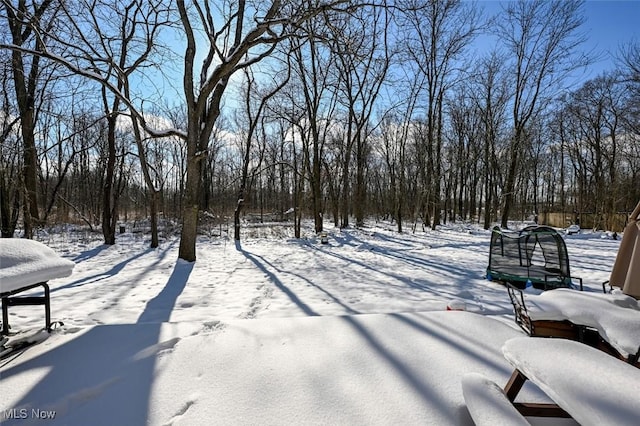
x=104 y=375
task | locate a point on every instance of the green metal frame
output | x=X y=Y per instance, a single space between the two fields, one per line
x=555 y=273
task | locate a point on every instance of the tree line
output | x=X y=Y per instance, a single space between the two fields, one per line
x=339 y=110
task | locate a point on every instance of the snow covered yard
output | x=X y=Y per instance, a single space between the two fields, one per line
x=274 y=330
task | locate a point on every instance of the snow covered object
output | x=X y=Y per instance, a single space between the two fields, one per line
x=25 y=265
x=24 y=262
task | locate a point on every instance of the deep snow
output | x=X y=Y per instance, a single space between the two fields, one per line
x=274 y=330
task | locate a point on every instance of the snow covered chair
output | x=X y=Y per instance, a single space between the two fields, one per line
x=608 y=322
x=26 y=265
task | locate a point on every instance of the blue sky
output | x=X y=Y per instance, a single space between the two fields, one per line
x=608 y=24
x=611 y=23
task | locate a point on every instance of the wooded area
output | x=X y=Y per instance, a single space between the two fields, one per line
x=185 y=111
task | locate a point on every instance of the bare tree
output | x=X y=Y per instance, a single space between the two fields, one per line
x=313 y=62
x=630 y=64
x=254 y=117
x=542 y=37
x=289 y=112
x=232 y=37
x=103 y=50
x=595 y=113
x=27 y=71
x=464 y=156
x=393 y=148
x=249 y=33
x=361 y=45
x=489 y=95
x=629 y=57
x=60 y=123
x=398 y=127
x=10 y=161
x=114 y=50
x=439 y=33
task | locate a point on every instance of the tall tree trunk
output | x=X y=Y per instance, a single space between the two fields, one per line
x=487 y=183
x=25 y=93
x=316 y=187
x=187 y=250
x=25 y=85
x=346 y=178
x=510 y=179
x=153 y=212
x=361 y=187
x=437 y=178
x=108 y=195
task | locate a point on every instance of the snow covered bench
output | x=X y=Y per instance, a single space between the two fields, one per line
x=26 y=265
x=585 y=383
x=610 y=322
x=488 y=404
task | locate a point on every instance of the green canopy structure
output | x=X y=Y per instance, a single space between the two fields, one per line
x=536 y=255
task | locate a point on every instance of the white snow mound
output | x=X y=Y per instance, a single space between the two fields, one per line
x=24 y=262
